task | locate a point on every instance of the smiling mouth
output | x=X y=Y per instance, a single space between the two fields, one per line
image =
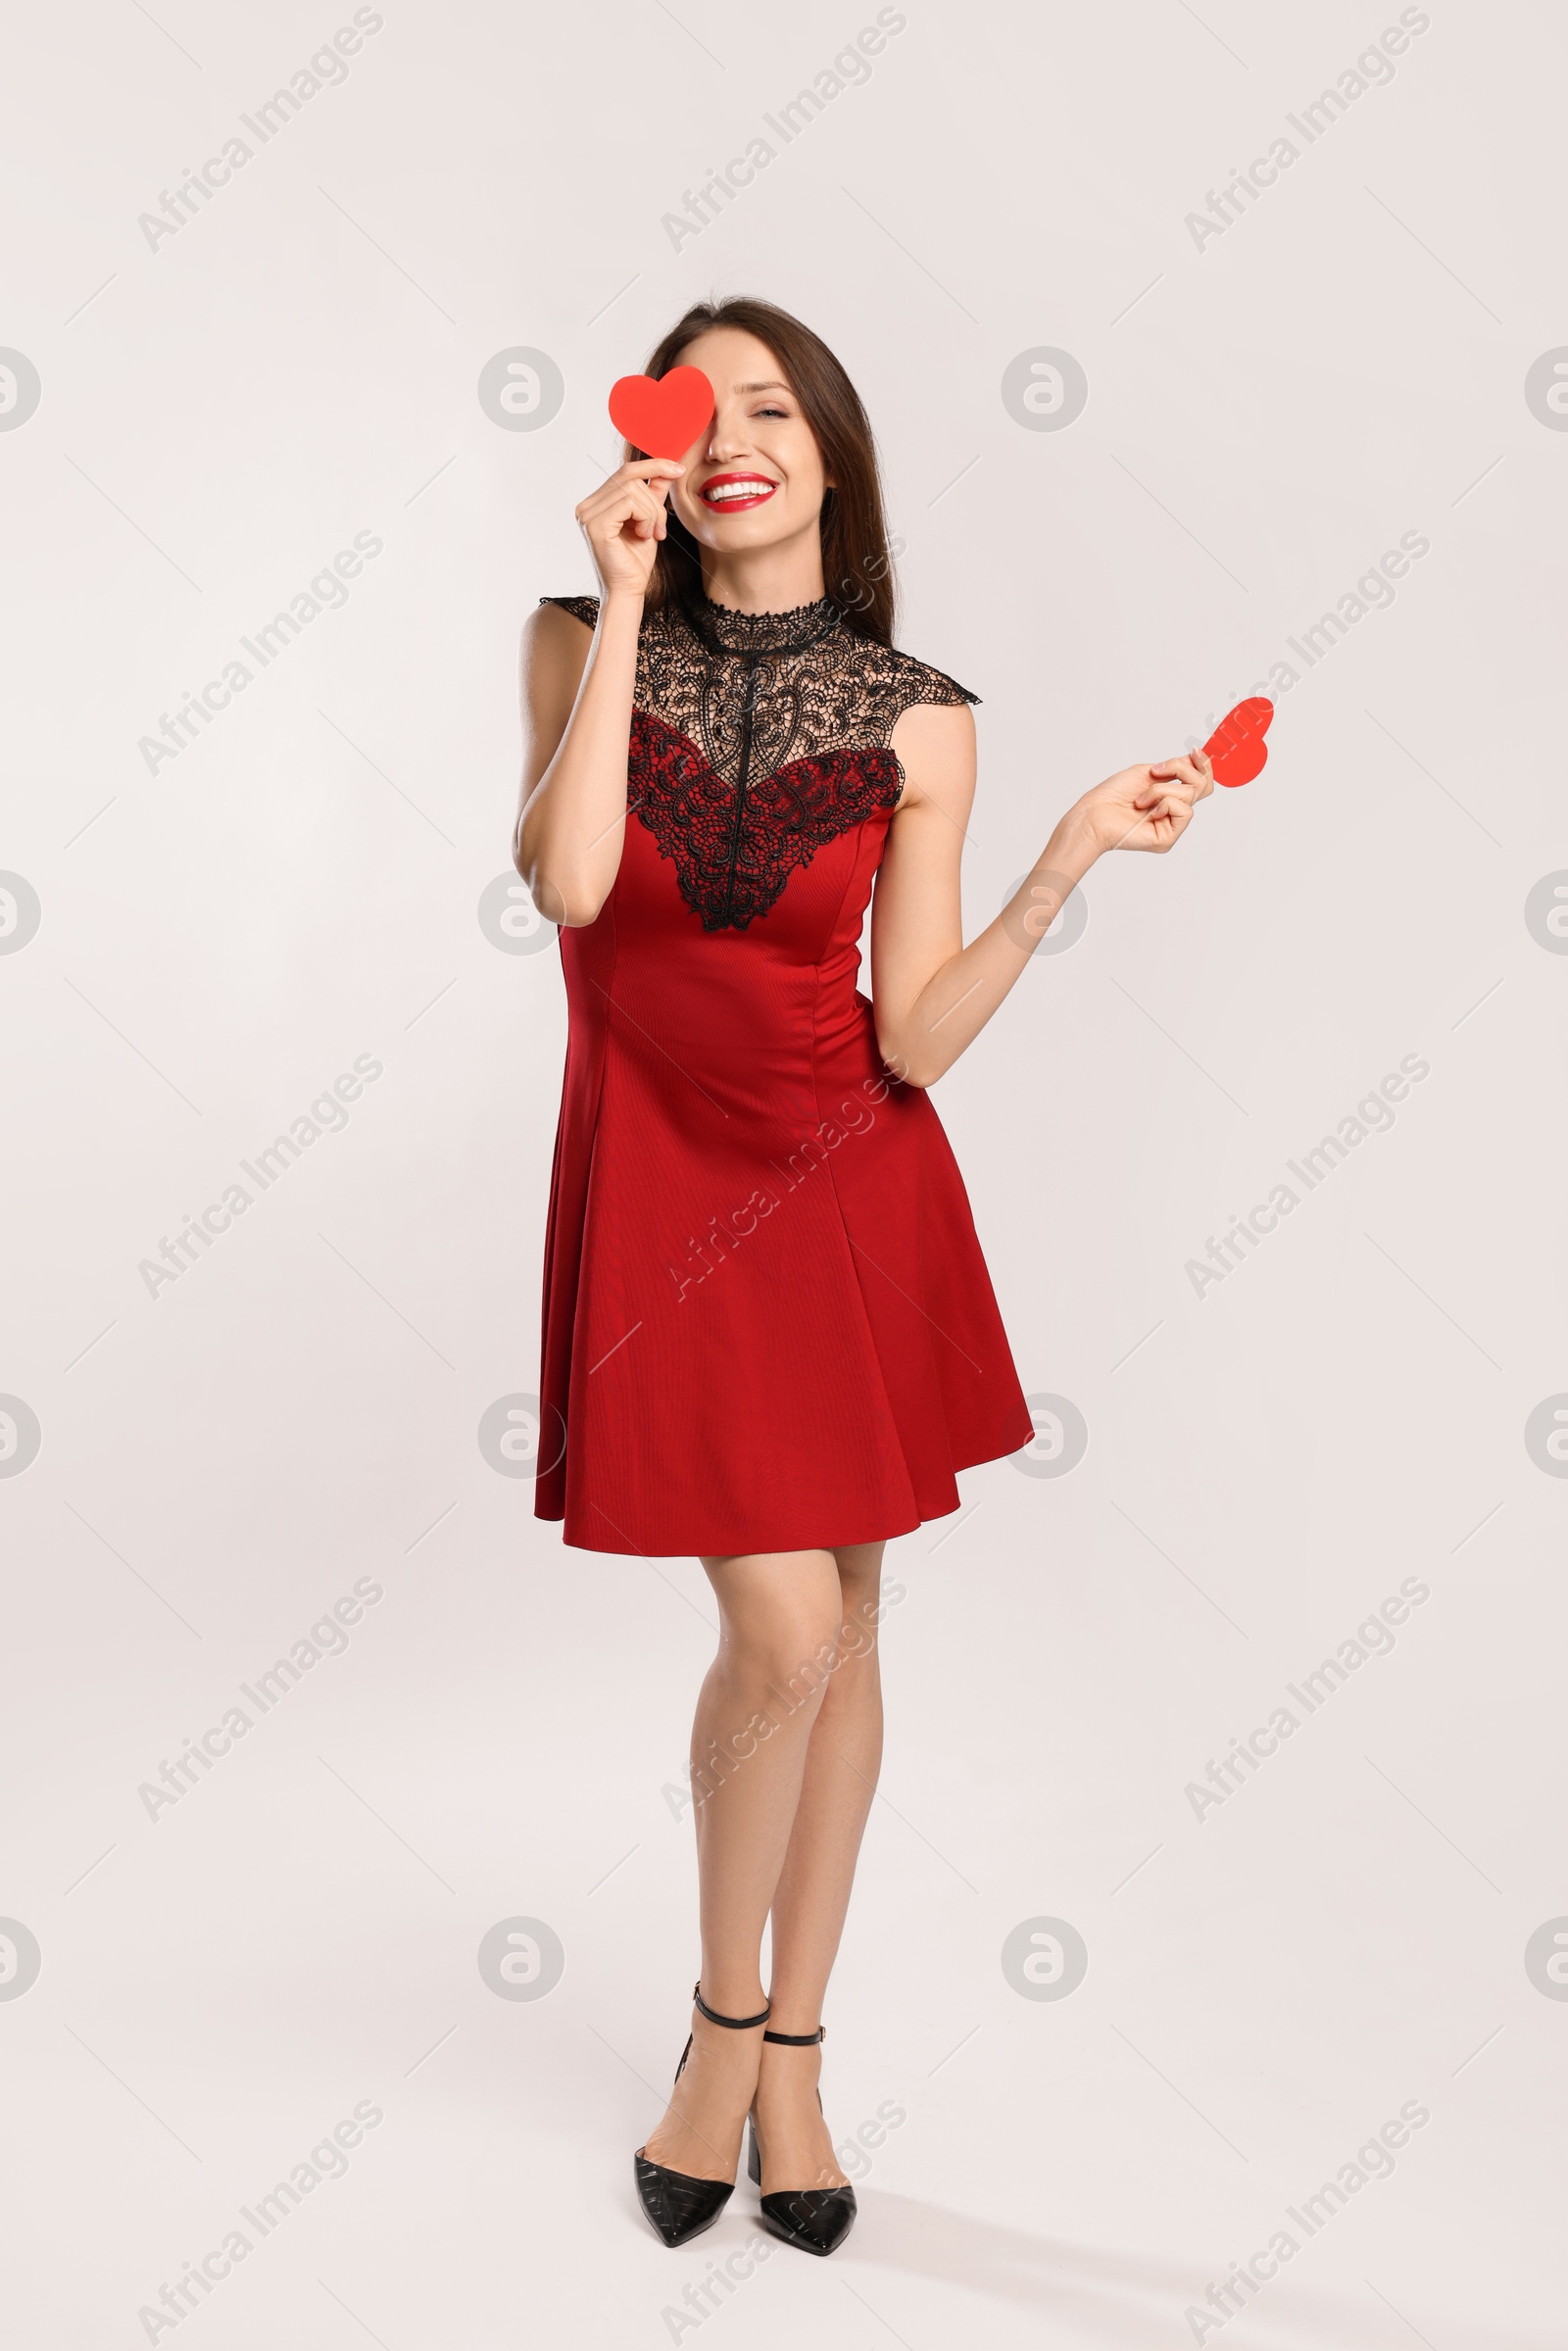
x=736 y=493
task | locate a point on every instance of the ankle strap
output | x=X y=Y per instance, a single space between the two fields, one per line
x=735 y=2024
x=797 y=2040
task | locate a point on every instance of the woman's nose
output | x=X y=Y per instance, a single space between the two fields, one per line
x=726 y=440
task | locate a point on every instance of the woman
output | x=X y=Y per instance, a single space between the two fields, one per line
x=769 y=1337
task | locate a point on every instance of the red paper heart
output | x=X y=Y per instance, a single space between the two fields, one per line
x=663 y=415
x=1237 y=748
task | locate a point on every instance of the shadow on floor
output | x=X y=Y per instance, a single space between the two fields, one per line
x=1131 y=2300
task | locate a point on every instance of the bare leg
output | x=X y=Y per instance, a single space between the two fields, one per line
x=813 y=1888
x=779 y=1617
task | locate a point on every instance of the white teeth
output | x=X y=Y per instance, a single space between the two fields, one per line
x=721 y=493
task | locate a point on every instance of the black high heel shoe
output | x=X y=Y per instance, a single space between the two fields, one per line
x=816 y=2219
x=678 y=2205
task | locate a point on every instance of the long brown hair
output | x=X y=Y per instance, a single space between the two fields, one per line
x=856 y=563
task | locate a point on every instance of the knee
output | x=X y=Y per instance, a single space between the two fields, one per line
x=793 y=1651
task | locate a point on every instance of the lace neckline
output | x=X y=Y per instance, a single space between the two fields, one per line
x=724 y=629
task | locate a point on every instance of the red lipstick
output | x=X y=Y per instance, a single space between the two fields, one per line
x=741 y=492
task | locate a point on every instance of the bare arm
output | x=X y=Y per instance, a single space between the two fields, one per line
x=932 y=994
x=578 y=703
x=577 y=723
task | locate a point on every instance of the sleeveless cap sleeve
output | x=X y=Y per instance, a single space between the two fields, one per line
x=916 y=681
x=582 y=608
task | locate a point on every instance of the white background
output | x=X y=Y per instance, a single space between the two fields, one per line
x=218 y=940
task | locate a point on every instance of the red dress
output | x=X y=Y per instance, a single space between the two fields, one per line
x=767 y=1324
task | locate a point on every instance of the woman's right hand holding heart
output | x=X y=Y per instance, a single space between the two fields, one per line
x=624 y=520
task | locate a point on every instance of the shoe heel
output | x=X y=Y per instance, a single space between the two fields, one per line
x=815 y=2219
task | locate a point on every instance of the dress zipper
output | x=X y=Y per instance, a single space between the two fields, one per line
x=742 y=774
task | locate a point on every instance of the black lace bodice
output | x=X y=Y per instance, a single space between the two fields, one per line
x=759 y=737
